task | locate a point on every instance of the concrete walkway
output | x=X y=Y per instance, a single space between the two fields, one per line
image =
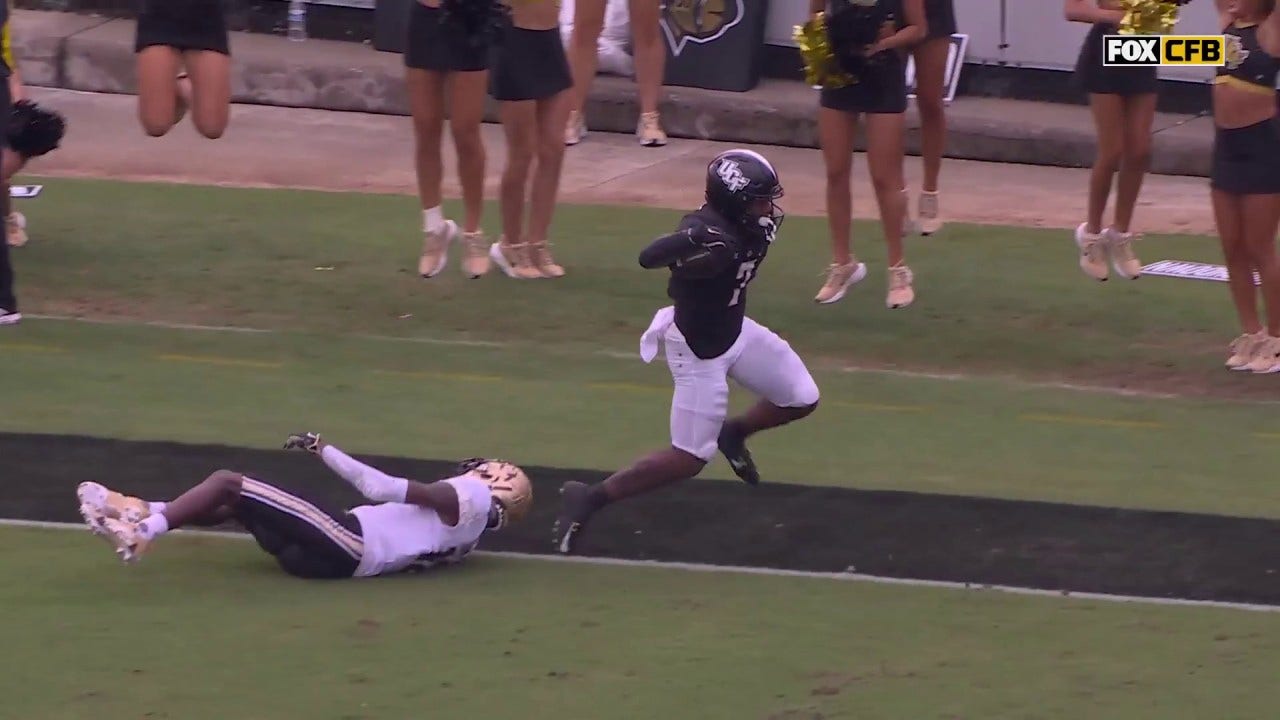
x=293 y=147
x=95 y=54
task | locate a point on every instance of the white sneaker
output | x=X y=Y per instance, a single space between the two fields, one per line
x=1093 y=250
x=901 y=293
x=435 y=249
x=1243 y=349
x=1266 y=359
x=1123 y=259
x=839 y=279
x=649 y=130
x=15 y=226
x=10 y=317
x=929 y=221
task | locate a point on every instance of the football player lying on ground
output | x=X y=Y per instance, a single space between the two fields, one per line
x=409 y=526
x=713 y=256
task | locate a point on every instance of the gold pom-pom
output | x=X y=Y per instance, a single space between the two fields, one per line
x=1148 y=17
x=820 y=66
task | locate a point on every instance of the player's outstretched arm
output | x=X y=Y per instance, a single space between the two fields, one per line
x=370 y=481
x=702 y=250
x=375 y=484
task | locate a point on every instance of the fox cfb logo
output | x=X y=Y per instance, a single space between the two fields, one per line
x=1144 y=50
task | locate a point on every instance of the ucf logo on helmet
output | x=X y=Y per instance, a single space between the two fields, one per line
x=731 y=175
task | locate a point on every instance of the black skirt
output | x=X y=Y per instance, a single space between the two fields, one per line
x=529 y=65
x=182 y=25
x=436 y=43
x=1092 y=77
x=941 y=16
x=1246 y=161
x=882 y=88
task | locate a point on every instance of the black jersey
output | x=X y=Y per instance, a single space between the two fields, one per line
x=1246 y=60
x=709 y=311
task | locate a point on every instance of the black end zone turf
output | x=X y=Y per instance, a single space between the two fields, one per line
x=897 y=534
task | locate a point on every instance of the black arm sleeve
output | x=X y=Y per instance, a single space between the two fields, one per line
x=669 y=249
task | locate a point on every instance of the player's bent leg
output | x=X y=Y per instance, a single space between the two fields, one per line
x=320 y=542
x=698 y=408
x=580 y=501
x=772 y=370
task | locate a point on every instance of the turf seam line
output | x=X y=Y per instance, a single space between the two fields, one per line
x=744 y=570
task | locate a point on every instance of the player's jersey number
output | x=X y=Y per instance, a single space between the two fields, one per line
x=746 y=273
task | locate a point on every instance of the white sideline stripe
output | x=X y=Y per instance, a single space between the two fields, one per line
x=619 y=355
x=743 y=570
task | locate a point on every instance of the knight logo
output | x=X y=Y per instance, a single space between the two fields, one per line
x=698 y=21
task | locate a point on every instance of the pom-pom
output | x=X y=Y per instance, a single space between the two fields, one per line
x=34 y=130
x=820 y=65
x=1149 y=17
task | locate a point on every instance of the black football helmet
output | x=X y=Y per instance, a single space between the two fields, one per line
x=736 y=181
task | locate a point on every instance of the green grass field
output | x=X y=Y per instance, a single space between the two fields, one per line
x=206 y=628
x=379 y=360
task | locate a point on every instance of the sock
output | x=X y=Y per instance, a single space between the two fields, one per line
x=155 y=508
x=153 y=526
x=432 y=219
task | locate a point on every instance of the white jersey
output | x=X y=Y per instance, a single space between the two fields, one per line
x=399 y=535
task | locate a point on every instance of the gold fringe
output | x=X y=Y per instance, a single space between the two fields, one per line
x=1148 y=17
x=820 y=66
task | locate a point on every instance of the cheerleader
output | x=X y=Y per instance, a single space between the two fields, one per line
x=15 y=223
x=1245 y=176
x=531 y=81
x=183 y=61
x=447 y=60
x=879 y=96
x=931 y=75
x=650 y=58
x=1123 y=102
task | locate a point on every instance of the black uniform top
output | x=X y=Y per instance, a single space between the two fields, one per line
x=1246 y=60
x=709 y=311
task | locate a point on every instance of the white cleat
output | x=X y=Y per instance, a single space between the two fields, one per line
x=125 y=537
x=109 y=503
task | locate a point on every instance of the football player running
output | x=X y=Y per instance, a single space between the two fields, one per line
x=713 y=256
x=410 y=525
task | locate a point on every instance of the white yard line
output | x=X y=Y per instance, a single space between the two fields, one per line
x=772 y=572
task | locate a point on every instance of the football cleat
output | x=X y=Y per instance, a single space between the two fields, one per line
x=575 y=511
x=128 y=542
x=102 y=502
x=733 y=443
